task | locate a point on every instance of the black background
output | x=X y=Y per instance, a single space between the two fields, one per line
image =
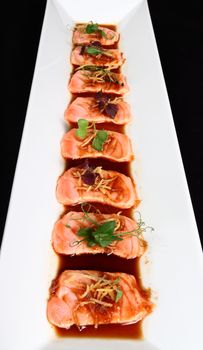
x=178 y=32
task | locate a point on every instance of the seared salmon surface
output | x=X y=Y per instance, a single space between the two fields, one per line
x=88 y=108
x=80 y=36
x=78 y=185
x=90 y=297
x=66 y=239
x=117 y=146
x=95 y=81
x=80 y=56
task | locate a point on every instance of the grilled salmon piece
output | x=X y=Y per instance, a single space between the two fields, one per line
x=78 y=185
x=117 y=146
x=87 y=297
x=65 y=238
x=108 y=57
x=95 y=81
x=81 y=37
x=87 y=108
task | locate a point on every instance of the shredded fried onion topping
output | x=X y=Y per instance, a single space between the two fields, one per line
x=101 y=184
x=98 y=291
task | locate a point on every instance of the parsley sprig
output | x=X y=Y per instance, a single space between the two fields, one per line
x=92 y=28
x=98 y=74
x=94 y=51
x=103 y=234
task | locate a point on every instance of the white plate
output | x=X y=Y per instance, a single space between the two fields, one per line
x=175 y=268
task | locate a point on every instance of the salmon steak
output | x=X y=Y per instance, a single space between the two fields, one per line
x=93 y=110
x=97 y=56
x=104 y=36
x=78 y=185
x=87 y=297
x=117 y=146
x=107 y=234
x=90 y=80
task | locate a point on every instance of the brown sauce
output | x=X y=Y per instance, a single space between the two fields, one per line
x=109 y=263
x=133 y=331
x=102 y=262
x=105 y=163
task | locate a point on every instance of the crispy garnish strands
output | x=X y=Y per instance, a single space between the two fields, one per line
x=104 y=183
x=118 y=222
x=92 y=125
x=101 y=184
x=115 y=100
x=94 y=301
x=102 y=288
x=89 y=134
x=101 y=77
x=92 y=68
x=98 y=170
x=92 y=132
x=88 y=139
x=97 y=74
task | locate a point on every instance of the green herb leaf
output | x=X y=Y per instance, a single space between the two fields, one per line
x=94 y=28
x=93 y=50
x=117 y=280
x=90 y=67
x=119 y=294
x=102 y=33
x=102 y=235
x=107 y=227
x=99 y=140
x=81 y=132
x=83 y=123
x=85 y=232
x=91 y=28
x=105 y=74
x=102 y=135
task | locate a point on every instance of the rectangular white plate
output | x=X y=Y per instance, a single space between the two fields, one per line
x=175 y=267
